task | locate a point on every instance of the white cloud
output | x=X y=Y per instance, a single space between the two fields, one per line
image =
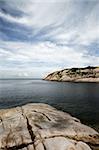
x=42 y=57
x=62 y=28
x=77 y=21
x=37 y=14
x=10 y=18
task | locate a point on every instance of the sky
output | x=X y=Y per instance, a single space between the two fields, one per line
x=41 y=36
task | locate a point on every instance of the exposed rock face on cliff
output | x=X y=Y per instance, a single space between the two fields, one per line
x=42 y=127
x=88 y=74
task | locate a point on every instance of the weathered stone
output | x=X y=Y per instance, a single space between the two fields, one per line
x=42 y=127
x=88 y=74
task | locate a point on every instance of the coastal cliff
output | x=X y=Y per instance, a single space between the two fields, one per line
x=42 y=127
x=88 y=74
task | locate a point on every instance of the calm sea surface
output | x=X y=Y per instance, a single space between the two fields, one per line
x=79 y=99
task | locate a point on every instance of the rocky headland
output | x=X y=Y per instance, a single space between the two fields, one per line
x=87 y=74
x=42 y=127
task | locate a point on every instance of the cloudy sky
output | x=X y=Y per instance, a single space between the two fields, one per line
x=41 y=36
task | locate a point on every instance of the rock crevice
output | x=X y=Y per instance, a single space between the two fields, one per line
x=42 y=127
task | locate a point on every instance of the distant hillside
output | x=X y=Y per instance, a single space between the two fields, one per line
x=87 y=74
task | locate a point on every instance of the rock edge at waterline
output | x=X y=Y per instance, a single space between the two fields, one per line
x=88 y=74
x=42 y=127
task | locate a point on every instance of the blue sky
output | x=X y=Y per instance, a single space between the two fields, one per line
x=41 y=36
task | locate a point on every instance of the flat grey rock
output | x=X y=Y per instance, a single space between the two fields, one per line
x=42 y=127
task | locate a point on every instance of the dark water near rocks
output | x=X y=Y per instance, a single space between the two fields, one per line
x=79 y=99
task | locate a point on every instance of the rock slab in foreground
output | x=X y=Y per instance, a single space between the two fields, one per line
x=42 y=127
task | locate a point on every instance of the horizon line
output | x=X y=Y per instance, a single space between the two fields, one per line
x=16 y=78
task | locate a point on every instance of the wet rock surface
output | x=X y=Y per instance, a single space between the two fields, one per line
x=42 y=127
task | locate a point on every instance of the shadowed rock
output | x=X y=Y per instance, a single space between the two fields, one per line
x=42 y=127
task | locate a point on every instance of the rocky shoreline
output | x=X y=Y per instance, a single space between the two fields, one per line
x=87 y=74
x=42 y=127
